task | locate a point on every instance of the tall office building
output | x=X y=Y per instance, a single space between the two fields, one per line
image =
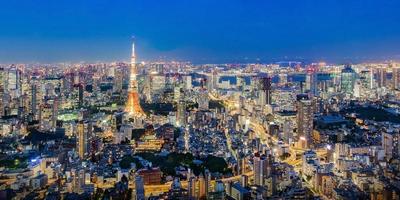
x=202 y=99
x=348 y=77
x=367 y=79
x=381 y=77
x=82 y=139
x=311 y=82
x=395 y=78
x=2 y=77
x=158 y=85
x=188 y=82
x=261 y=169
x=80 y=94
x=34 y=100
x=212 y=80
x=118 y=80
x=181 y=111
x=13 y=78
x=265 y=91
x=304 y=119
x=54 y=113
x=48 y=115
x=133 y=103
x=160 y=68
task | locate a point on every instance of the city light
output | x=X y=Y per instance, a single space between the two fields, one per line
x=211 y=100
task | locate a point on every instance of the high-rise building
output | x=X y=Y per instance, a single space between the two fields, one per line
x=80 y=95
x=34 y=100
x=387 y=145
x=2 y=77
x=311 y=82
x=304 y=119
x=212 y=81
x=82 y=139
x=160 y=68
x=367 y=79
x=265 y=91
x=192 y=187
x=54 y=113
x=48 y=115
x=181 y=112
x=261 y=169
x=202 y=187
x=13 y=78
x=158 y=83
x=133 y=104
x=395 y=78
x=381 y=77
x=118 y=80
x=202 y=99
x=348 y=77
x=207 y=179
x=188 y=82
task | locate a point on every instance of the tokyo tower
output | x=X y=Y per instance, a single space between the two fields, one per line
x=133 y=104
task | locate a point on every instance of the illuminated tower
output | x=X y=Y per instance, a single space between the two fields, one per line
x=133 y=104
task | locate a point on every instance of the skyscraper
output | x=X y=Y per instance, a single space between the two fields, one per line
x=133 y=103
x=181 y=111
x=80 y=95
x=311 y=82
x=304 y=119
x=13 y=76
x=367 y=79
x=348 y=77
x=202 y=98
x=81 y=139
x=265 y=91
x=212 y=80
x=1 y=91
x=34 y=100
x=188 y=82
x=261 y=169
x=395 y=78
x=381 y=77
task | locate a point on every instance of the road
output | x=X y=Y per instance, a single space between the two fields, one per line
x=161 y=188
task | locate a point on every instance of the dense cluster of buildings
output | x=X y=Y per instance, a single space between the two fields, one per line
x=282 y=131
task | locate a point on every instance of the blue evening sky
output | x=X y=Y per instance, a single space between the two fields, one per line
x=206 y=31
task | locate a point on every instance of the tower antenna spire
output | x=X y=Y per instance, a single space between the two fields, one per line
x=133 y=105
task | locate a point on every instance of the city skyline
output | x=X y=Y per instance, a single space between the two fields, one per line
x=199 y=32
x=207 y=100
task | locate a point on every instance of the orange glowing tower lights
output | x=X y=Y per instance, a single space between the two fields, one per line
x=133 y=103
